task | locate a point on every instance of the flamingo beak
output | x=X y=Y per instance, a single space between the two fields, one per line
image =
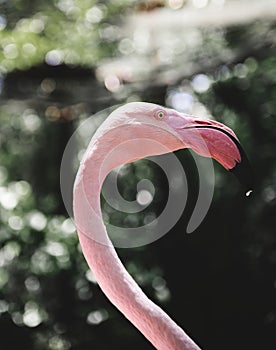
x=213 y=139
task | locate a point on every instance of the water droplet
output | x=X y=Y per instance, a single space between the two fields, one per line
x=248 y=193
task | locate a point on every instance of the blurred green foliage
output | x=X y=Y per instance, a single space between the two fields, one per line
x=219 y=283
x=73 y=32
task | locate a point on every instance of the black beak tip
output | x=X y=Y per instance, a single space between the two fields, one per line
x=242 y=170
x=244 y=173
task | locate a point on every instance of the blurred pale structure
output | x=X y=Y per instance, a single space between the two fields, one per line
x=149 y=45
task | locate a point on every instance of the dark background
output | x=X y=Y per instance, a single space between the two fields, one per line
x=219 y=282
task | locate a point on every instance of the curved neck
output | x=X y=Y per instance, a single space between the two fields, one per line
x=112 y=277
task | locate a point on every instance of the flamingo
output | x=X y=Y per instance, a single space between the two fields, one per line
x=131 y=132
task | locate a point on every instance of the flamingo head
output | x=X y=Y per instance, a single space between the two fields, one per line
x=206 y=137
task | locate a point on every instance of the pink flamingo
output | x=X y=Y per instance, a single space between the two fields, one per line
x=131 y=132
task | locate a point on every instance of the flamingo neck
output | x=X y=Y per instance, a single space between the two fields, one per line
x=111 y=275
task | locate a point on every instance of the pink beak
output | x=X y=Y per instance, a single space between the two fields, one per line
x=213 y=139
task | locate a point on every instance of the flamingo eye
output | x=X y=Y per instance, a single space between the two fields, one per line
x=160 y=114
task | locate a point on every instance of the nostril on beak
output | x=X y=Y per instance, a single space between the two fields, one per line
x=202 y=122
